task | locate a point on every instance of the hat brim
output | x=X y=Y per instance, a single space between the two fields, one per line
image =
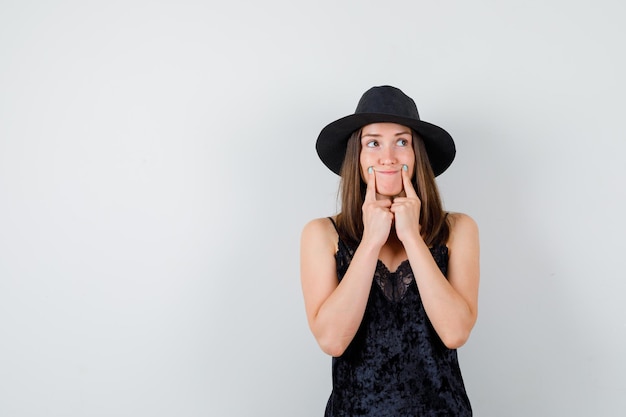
x=332 y=141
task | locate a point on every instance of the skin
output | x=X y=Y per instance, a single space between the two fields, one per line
x=392 y=234
x=386 y=147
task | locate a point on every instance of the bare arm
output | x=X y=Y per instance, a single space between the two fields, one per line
x=451 y=304
x=335 y=310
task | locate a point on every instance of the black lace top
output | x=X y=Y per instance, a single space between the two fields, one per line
x=396 y=365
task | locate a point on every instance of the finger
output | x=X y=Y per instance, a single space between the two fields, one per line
x=370 y=192
x=406 y=182
x=398 y=202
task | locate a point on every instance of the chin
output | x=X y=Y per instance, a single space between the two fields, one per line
x=390 y=192
x=389 y=187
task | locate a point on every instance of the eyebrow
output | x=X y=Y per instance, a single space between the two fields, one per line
x=377 y=135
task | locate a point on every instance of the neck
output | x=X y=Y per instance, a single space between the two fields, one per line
x=392 y=240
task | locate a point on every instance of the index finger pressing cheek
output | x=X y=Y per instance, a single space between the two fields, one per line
x=406 y=182
x=370 y=192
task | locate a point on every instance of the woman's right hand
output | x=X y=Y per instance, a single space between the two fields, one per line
x=377 y=218
x=335 y=307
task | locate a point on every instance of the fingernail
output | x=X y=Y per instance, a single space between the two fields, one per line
x=370 y=170
x=405 y=167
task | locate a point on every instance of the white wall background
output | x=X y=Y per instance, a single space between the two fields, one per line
x=157 y=165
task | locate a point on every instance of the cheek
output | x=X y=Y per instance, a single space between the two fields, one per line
x=410 y=161
x=412 y=170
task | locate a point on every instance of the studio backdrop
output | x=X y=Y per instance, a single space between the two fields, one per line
x=157 y=165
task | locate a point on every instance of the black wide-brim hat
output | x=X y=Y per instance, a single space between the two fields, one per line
x=384 y=104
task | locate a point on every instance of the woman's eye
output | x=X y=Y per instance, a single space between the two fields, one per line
x=402 y=142
x=371 y=144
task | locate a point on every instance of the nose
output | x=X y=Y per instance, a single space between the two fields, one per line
x=388 y=156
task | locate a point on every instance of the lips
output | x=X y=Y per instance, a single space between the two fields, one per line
x=387 y=172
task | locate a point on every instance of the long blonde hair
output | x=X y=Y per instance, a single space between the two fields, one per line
x=435 y=228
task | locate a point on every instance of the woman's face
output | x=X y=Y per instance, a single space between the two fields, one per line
x=386 y=147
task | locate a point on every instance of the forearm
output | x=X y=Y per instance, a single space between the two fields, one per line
x=450 y=314
x=340 y=316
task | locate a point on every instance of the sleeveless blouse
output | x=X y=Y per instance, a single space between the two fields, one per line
x=396 y=365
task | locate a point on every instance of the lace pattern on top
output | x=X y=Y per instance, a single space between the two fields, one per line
x=394 y=285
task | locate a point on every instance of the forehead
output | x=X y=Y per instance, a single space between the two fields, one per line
x=384 y=129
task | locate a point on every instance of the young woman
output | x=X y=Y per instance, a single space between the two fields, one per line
x=390 y=284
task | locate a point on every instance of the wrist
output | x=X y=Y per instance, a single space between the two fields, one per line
x=413 y=239
x=370 y=247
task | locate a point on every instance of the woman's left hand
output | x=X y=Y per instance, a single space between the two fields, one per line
x=406 y=211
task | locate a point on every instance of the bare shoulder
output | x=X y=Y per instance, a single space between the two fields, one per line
x=320 y=233
x=318 y=269
x=461 y=220
x=463 y=229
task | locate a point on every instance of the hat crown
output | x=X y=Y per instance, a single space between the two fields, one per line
x=387 y=100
